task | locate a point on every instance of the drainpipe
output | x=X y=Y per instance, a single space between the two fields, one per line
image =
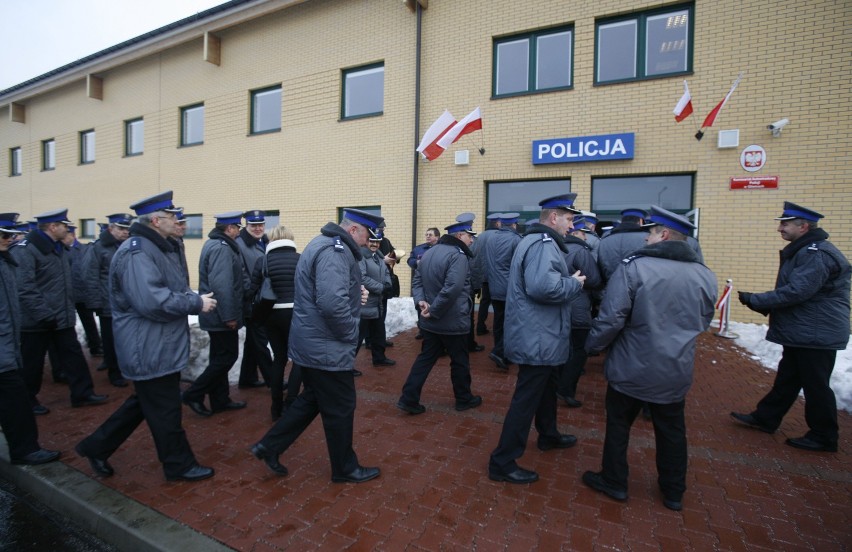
x=415 y=174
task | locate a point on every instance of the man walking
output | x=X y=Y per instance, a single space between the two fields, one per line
x=252 y=242
x=809 y=316
x=498 y=259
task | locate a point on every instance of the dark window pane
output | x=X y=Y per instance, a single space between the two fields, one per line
x=617 y=51
x=513 y=66
x=523 y=196
x=266 y=111
x=666 y=45
x=364 y=92
x=553 y=63
x=611 y=195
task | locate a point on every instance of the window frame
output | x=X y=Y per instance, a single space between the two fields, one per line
x=194 y=235
x=532 y=60
x=48 y=162
x=253 y=94
x=127 y=133
x=183 y=113
x=85 y=136
x=344 y=74
x=85 y=226
x=640 y=65
x=16 y=161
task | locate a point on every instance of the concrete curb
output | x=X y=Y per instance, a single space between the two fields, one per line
x=111 y=516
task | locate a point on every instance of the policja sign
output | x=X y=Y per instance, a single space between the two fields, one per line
x=606 y=147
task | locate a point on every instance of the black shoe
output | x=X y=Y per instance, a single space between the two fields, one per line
x=384 y=362
x=570 y=402
x=561 y=442
x=232 y=405
x=476 y=348
x=388 y=343
x=252 y=384
x=198 y=407
x=411 y=409
x=119 y=382
x=750 y=421
x=519 y=476
x=499 y=361
x=61 y=379
x=356 y=373
x=269 y=458
x=675 y=505
x=40 y=410
x=195 y=473
x=91 y=400
x=100 y=467
x=358 y=475
x=482 y=331
x=41 y=456
x=596 y=481
x=806 y=443
x=418 y=336
x=96 y=352
x=102 y=366
x=473 y=402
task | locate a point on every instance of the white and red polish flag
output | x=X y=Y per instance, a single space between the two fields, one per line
x=429 y=147
x=469 y=124
x=683 y=109
x=711 y=117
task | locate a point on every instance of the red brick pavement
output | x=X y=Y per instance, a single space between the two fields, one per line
x=747 y=490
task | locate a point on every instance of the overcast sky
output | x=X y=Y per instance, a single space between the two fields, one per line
x=38 y=36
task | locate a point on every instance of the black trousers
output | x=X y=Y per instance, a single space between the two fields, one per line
x=110 y=357
x=433 y=345
x=534 y=399
x=484 y=304
x=157 y=402
x=255 y=354
x=669 y=433
x=497 y=326
x=332 y=396
x=808 y=369
x=87 y=319
x=569 y=375
x=373 y=330
x=33 y=348
x=213 y=382
x=278 y=331
x=16 y=415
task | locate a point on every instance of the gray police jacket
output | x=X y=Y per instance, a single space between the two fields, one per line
x=327 y=304
x=498 y=259
x=538 y=302
x=478 y=272
x=96 y=272
x=619 y=244
x=77 y=255
x=44 y=284
x=251 y=250
x=150 y=301
x=221 y=270
x=10 y=315
x=376 y=278
x=443 y=281
x=809 y=306
x=579 y=257
x=656 y=304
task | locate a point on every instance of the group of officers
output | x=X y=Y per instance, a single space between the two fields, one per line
x=652 y=303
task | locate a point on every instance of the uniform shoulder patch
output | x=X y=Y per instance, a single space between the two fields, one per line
x=546 y=238
x=135 y=244
x=630 y=259
x=460 y=250
x=338 y=245
x=22 y=243
x=813 y=247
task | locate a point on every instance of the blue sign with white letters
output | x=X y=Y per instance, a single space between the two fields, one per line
x=606 y=147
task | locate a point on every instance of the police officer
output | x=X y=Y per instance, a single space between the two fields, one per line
x=77 y=255
x=150 y=302
x=16 y=415
x=97 y=282
x=376 y=278
x=252 y=242
x=478 y=271
x=808 y=316
x=656 y=304
x=498 y=259
x=623 y=240
x=441 y=288
x=323 y=335
x=177 y=239
x=538 y=303
x=432 y=235
x=590 y=220
x=46 y=291
x=221 y=271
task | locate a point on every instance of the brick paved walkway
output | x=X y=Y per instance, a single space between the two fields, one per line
x=747 y=490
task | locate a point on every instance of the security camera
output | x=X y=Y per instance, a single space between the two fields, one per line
x=777 y=126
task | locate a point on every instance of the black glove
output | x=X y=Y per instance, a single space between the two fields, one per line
x=50 y=324
x=745 y=298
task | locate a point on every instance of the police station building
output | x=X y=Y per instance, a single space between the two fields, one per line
x=304 y=107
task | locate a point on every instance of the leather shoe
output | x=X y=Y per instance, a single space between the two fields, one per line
x=519 y=476
x=195 y=473
x=597 y=482
x=675 y=505
x=252 y=384
x=561 y=442
x=570 y=402
x=411 y=409
x=476 y=348
x=198 y=408
x=232 y=405
x=418 y=336
x=99 y=352
x=388 y=343
x=384 y=362
x=501 y=364
x=100 y=467
x=40 y=410
x=358 y=475
x=270 y=458
x=472 y=402
x=102 y=366
x=806 y=443
x=750 y=421
x=119 y=382
x=356 y=373
x=482 y=331
x=91 y=400
x=41 y=456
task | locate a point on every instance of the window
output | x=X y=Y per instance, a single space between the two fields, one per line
x=15 y=168
x=194 y=227
x=653 y=44
x=533 y=62
x=87 y=147
x=48 y=155
x=273 y=219
x=266 y=110
x=134 y=137
x=192 y=125
x=523 y=196
x=363 y=91
x=612 y=194
x=88 y=228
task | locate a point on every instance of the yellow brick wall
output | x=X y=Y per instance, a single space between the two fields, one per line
x=794 y=56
